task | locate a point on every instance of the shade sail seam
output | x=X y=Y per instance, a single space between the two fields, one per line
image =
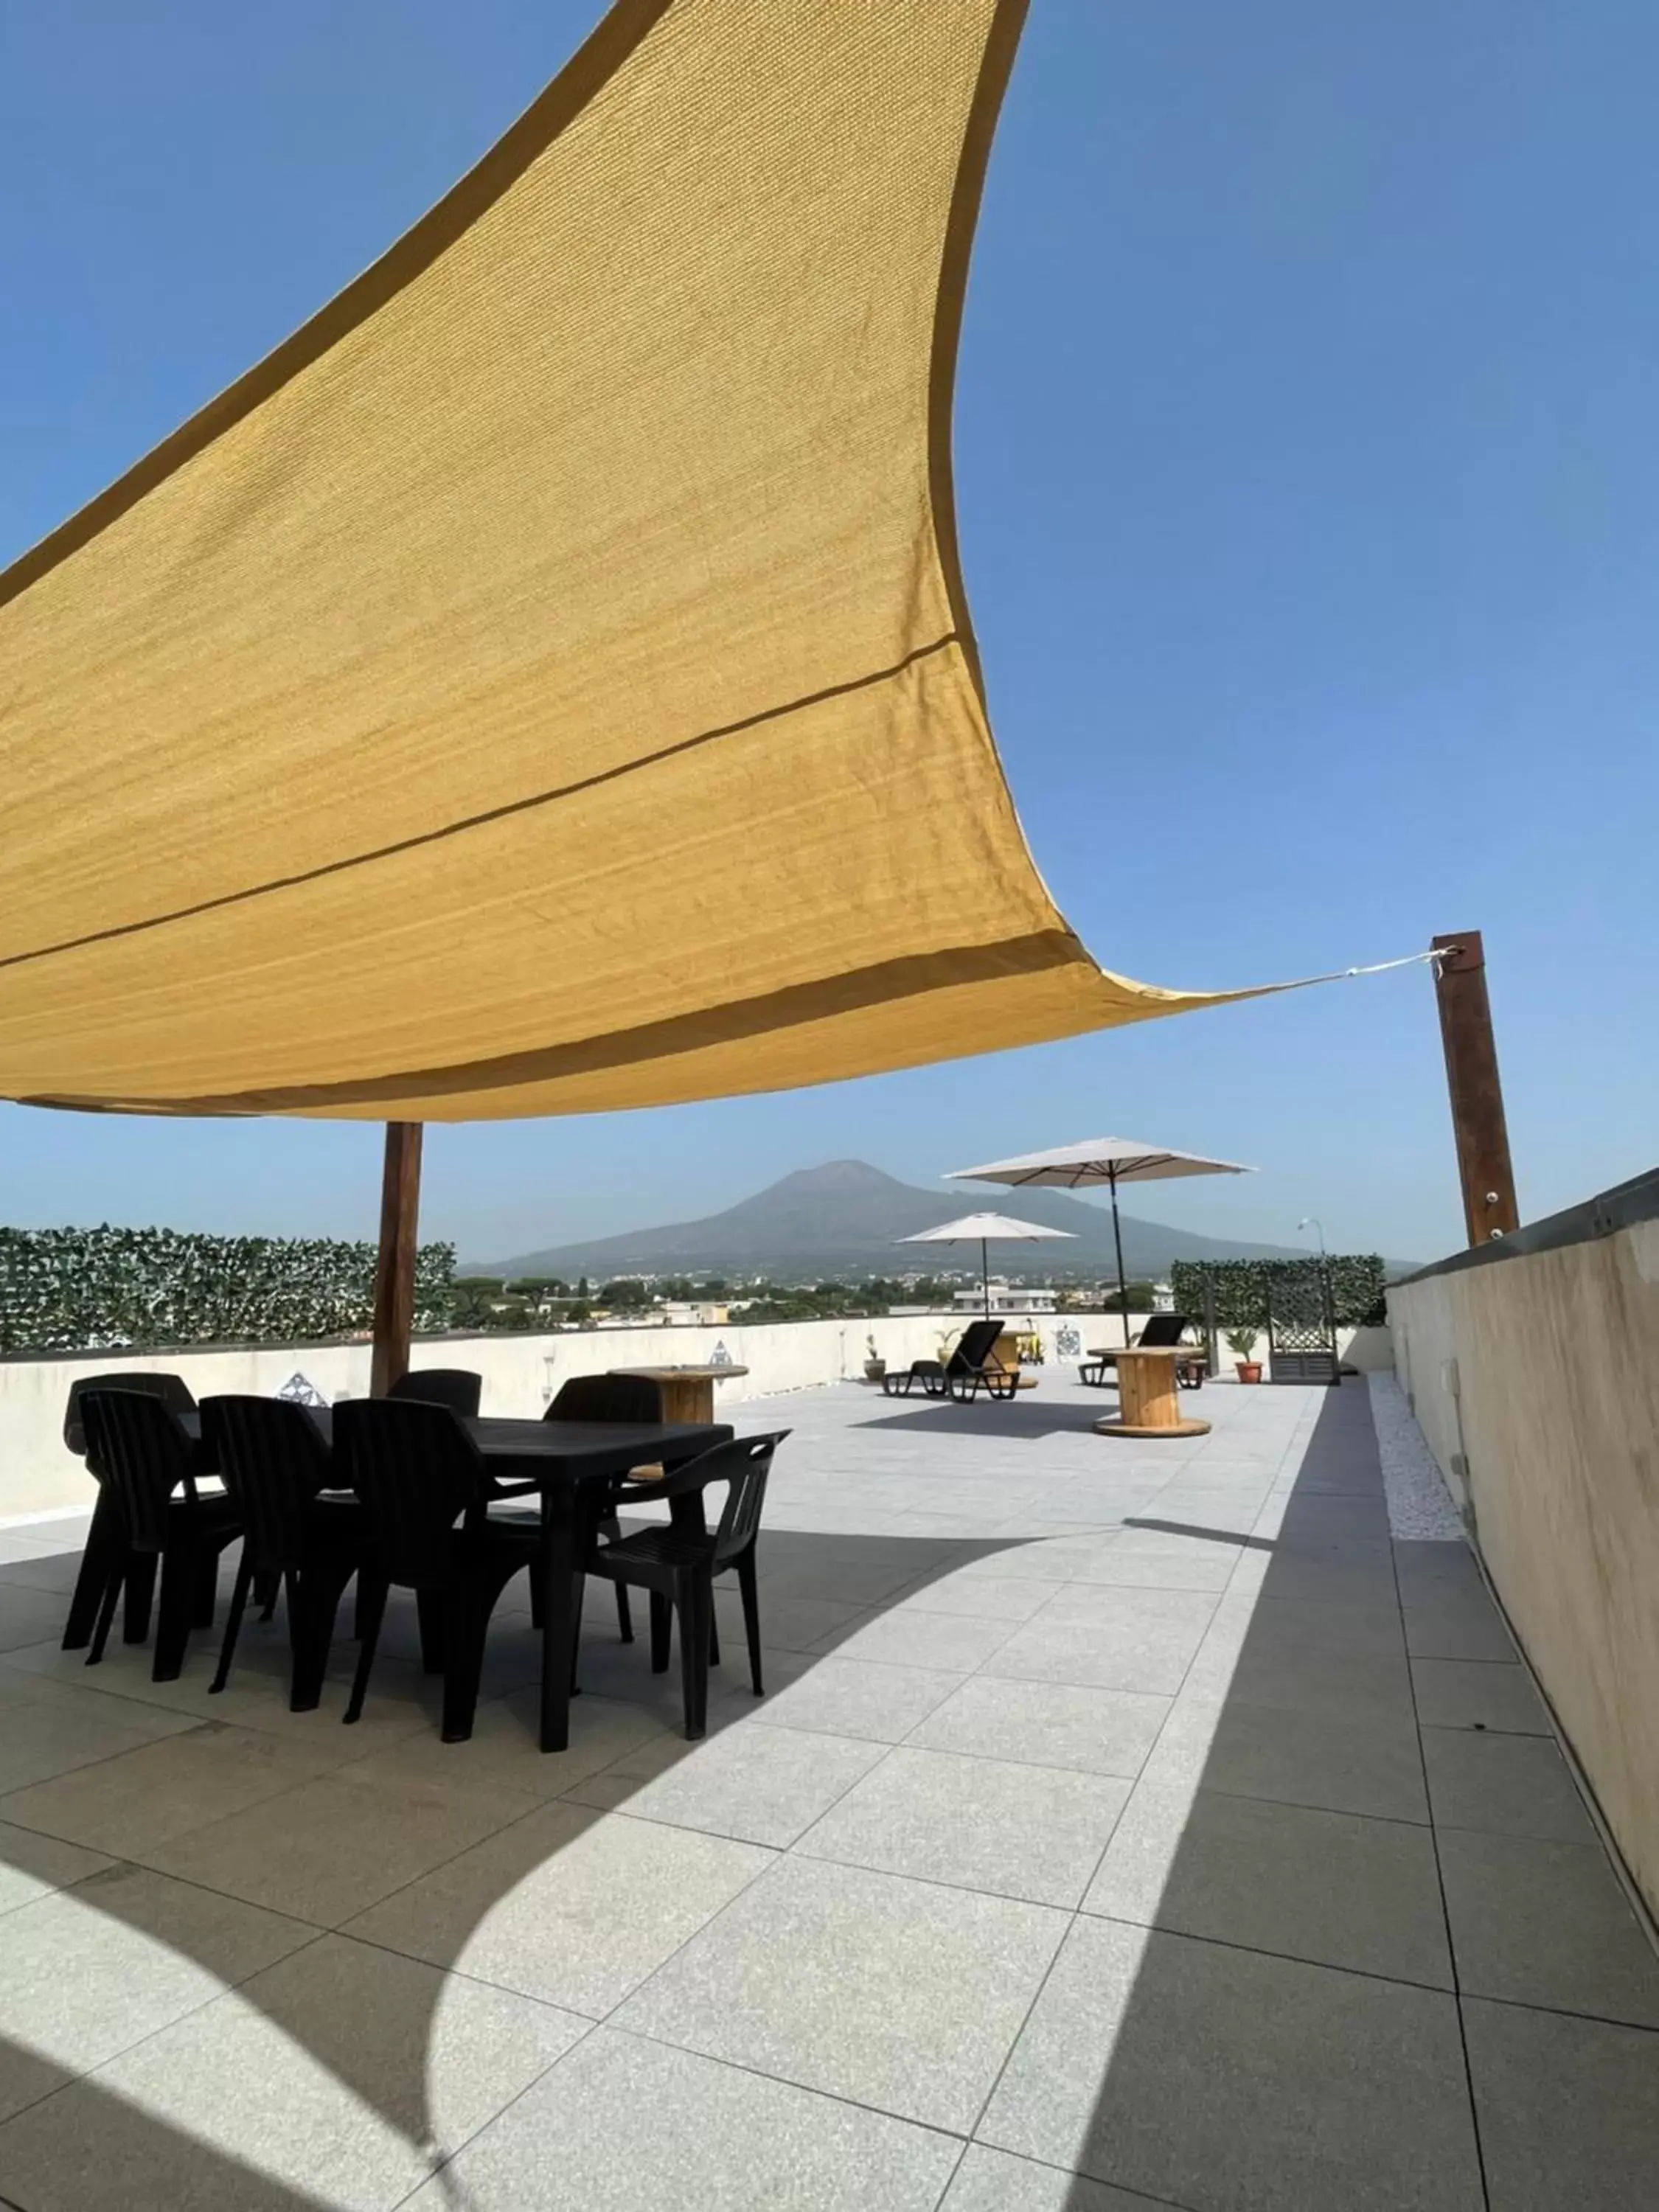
x=490 y=814
x=909 y=975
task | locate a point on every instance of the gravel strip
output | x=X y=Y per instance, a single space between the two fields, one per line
x=1420 y=1507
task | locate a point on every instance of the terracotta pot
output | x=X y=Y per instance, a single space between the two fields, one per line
x=874 y=1369
x=1249 y=1371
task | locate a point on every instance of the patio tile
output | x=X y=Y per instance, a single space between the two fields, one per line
x=504 y=1749
x=994 y=2181
x=1336 y=1763
x=328 y=1848
x=891 y=1992
x=1344 y=1684
x=1456 y=1624
x=33 y=1865
x=1505 y=1785
x=140 y=1800
x=763 y=1785
x=1343 y=1580
x=626 y=2125
x=1426 y=1570
x=1206 y=1567
x=1018 y=1830
x=39 y=1567
x=1484 y=1694
x=45 y=1735
x=86 y=1971
x=1310 y=1628
x=1569 y=2109
x=340 y=2076
x=838 y=1579
x=571 y=1906
x=27 y=1615
x=952 y=1643
x=1230 y=2082
x=1146 y=1644
x=1050 y=1559
x=1330 y=1887
x=1047 y=1725
x=859 y=1698
x=982 y=1597
x=789 y=1624
x=1546 y=1924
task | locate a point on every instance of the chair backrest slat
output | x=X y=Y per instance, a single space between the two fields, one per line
x=607 y=1398
x=458 y=1388
x=417 y=1471
x=274 y=1461
x=1162 y=1330
x=143 y=1456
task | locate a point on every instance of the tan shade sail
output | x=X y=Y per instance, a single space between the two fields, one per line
x=544 y=684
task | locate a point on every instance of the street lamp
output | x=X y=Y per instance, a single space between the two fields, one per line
x=1312 y=1221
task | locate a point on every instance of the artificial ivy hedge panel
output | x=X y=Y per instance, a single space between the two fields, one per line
x=1241 y=1286
x=86 y=1289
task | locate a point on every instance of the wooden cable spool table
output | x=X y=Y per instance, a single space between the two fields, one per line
x=1149 y=1395
x=688 y=1392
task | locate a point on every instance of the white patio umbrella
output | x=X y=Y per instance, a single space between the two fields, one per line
x=1109 y=1160
x=983 y=1229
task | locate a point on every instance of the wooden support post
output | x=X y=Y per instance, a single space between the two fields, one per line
x=394 y=1276
x=1477 y=1095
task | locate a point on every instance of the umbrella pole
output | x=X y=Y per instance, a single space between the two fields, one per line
x=985 y=1277
x=1117 y=1239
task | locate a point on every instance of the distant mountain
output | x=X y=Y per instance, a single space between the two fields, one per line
x=845 y=1218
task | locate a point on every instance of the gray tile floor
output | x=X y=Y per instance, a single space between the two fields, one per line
x=1123 y=1827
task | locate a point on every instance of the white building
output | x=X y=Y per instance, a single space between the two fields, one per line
x=1020 y=1298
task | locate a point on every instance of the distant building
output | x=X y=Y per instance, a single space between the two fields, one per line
x=1006 y=1298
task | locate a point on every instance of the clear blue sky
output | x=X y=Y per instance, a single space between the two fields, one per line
x=1309 y=498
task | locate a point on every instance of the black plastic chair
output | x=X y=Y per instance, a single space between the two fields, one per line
x=424 y=1491
x=275 y=1465
x=1160 y=1332
x=106 y=1552
x=458 y=1388
x=148 y=1469
x=678 y=1563
x=633 y=1398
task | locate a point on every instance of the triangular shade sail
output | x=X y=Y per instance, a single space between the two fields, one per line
x=545 y=685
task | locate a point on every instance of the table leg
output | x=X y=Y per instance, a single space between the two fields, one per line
x=561 y=1509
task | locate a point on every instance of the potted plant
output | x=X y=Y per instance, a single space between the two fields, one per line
x=1243 y=1342
x=874 y=1365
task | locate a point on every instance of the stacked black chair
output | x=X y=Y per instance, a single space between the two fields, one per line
x=458 y=1388
x=424 y=1491
x=677 y=1564
x=633 y=1398
x=275 y=1466
x=146 y=1465
x=107 y=1552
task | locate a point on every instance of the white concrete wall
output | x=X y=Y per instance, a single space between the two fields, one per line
x=1535 y=1382
x=521 y=1374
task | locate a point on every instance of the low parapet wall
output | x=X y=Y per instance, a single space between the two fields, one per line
x=521 y=1374
x=1533 y=1368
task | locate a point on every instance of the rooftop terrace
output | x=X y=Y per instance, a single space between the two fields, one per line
x=1124 y=1827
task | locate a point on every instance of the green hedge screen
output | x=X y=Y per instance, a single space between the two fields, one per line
x=1240 y=1288
x=86 y=1289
